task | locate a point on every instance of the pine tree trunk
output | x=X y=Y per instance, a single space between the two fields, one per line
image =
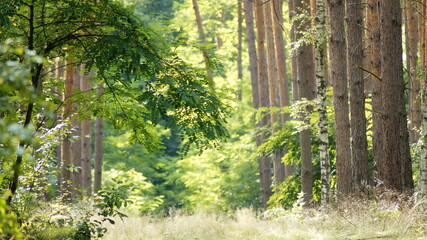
x=76 y=145
x=411 y=34
x=66 y=160
x=321 y=44
x=86 y=86
x=273 y=83
x=306 y=87
x=289 y=170
x=203 y=40
x=239 y=50
x=393 y=173
x=253 y=60
x=277 y=13
x=359 y=143
x=99 y=127
x=338 y=57
x=264 y=162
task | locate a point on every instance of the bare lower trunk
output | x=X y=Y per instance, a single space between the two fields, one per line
x=86 y=85
x=338 y=56
x=99 y=126
x=265 y=168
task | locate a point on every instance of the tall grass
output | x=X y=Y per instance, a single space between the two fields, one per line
x=352 y=220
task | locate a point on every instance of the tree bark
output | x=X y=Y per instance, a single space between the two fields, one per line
x=66 y=157
x=338 y=57
x=264 y=162
x=396 y=171
x=411 y=34
x=202 y=38
x=239 y=50
x=99 y=127
x=252 y=51
x=76 y=145
x=321 y=44
x=306 y=87
x=86 y=86
x=359 y=145
x=289 y=170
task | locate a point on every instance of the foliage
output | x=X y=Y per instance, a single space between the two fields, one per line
x=133 y=186
x=9 y=227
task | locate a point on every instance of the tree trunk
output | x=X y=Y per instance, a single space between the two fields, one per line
x=202 y=40
x=277 y=13
x=338 y=57
x=264 y=162
x=411 y=34
x=99 y=126
x=374 y=66
x=273 y=82
x=306 y=87
x=359 y=145
x=289 y=170
x=253 y=60
x=66 y=158
x=423 y=150
x=76 y=145
x=86 y=86
x=239 y=50
x=396 y=171
x=321 y=44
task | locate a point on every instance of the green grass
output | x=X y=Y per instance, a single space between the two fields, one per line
x=353 y=220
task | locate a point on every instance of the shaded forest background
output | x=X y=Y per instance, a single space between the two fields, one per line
x=162 y=105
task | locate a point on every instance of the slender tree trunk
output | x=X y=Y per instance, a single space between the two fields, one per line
x=321 y=44
x=277 y=14
x=99 y=127
x=86 y=85
x=294 y=70
x=359 y=143
x=239 y=49
x=339 y=79
x=66 y=157
x=273 y=83
x=253 y=59
x=374 y=66
x=264 y=162
x=76 y=145
x=306 y=87
x=394 y=172
x=423 y=151
x=202 y=40
x=411 y=34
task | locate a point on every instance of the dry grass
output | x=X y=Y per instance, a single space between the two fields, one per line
x=353 y=220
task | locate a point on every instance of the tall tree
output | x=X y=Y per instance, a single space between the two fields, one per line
x=279 y=43
x=338 y=56
x=76 y=145
x=99 y=127
x=321 y=59
x=264 y=162
x=411 y=35
x=239 y=49
x=395 y=173
x=202 y=38
x=306 y=90
x=359 y=145
x=66 y=157
x=252 y=51
x=374 y=67
x=273 y=84
x=86 y=86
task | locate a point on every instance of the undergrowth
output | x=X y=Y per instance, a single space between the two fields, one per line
x=361 y=219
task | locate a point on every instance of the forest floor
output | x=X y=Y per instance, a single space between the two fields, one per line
x=363 y=220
